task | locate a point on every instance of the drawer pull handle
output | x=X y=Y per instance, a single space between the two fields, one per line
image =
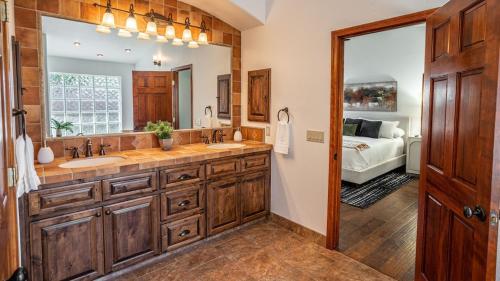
x=184 y=233
x=184 y=177
x=184 y=203
x=108 y=212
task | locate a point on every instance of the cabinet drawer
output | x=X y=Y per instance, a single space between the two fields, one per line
x=183 y=232
x=254 y=162
x=129 y=185
x=223 y=167
x=172 y=178
x=183 y=203
x=59 y=198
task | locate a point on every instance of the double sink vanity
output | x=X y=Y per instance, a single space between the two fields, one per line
x=100 y=216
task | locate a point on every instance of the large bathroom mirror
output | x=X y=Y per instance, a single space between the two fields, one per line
x=105 y=83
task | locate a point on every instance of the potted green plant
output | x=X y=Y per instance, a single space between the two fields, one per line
x=163 y=130
x=59 y=126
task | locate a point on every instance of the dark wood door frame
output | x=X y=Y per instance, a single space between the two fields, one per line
x=336 y=110
x=175 y=91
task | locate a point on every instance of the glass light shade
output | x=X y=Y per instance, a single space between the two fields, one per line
x=124 y=33
x=143 y=36
x=177 y=42
x=131 y=24
x=151 y=28
x=203 y=39
x=161 y=39
x=108 y=19
x=193 y=45
x=170 y=32
x=186 y=35
x=103 y=29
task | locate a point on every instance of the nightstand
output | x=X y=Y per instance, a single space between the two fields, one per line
x=413 y=155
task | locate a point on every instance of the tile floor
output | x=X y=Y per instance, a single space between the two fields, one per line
x=263 y=251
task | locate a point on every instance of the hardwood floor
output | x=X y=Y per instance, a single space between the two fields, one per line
x=263 y=251
x=383 y=236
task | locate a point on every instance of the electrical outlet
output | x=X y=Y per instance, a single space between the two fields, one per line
x=268 y=131
x=315 y=136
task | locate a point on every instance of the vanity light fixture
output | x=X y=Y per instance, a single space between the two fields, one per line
x=124 y=33
x=193 y=45
x=202 y=37
x=108 y=19
x=76 y=44
x=170 y=29
x=103 y=29
x=186 y=34
x=161 y=39
x=151 y=28
x=177 y=42
x=143 y=36
x=131 y=22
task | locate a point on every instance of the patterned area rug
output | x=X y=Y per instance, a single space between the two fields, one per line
x=369 y=193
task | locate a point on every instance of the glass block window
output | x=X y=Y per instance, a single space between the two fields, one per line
x=91 y=102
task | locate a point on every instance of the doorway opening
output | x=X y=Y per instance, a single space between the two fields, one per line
x=183 y=97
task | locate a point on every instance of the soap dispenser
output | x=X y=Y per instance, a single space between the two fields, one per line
x=237 y=135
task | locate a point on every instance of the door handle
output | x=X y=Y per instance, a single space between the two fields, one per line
x=478 y=211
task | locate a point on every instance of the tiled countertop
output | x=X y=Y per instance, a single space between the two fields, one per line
x=142 y=159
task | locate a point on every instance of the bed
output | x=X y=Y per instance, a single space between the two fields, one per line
x=382 y=156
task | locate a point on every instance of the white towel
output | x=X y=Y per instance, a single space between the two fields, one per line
x=25 y=159
x=282 y=138
x=206 y=121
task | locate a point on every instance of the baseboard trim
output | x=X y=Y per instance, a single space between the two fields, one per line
x=308 y=234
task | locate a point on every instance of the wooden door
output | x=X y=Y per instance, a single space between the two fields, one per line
x=254 y=196
x=223 y=205
x=224 y=96
x=460 y=150
x=68 y=247
x=131 y=232
x=8 y=223
x=259 y=95
x=152 y=97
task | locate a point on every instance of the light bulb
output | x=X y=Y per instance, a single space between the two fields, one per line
x=143 y=36
x=193 y=45
x=131 y=23
x=108 y=19
x=170 y=31
x=161 y=39
x=151 y=28
x=203 y=38
x=186 y=35
x=177 y=42
x=103 y=29
x=124 y=33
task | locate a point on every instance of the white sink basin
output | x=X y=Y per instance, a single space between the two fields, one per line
x=226 y=145
x=91 y=162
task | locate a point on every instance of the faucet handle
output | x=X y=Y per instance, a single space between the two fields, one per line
x=75 y=151
x=205 y=139
x=102 y=151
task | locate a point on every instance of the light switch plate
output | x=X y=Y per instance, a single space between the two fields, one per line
x=268 y=131
x=315 y=136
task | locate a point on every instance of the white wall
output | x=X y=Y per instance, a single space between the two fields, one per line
x=394 y=55
x=295 y=43
x=79 y=66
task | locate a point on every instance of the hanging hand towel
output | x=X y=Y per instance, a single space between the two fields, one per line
x=206 y=121
x=282 y=138
x=25 y=160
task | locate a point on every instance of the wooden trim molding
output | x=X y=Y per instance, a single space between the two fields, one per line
x=336 y=110
x=308 y=234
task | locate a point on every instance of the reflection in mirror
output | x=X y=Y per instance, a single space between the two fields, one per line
x=103 y=83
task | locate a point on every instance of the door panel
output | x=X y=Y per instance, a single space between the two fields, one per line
x=152 y=97
x=455 y=239
x=223 y=205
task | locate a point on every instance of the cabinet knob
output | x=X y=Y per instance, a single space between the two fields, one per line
x=184 y=233
x=108 y=212
x=98 y=214
x=184 y=203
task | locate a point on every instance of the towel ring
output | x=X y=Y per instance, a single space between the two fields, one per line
x=285 y=110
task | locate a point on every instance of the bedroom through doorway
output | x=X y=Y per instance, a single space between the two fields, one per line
x=383 y=74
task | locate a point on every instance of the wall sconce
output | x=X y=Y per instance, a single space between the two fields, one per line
x=157 y=61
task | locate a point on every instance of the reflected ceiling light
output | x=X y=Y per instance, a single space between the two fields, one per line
x=128 y=50
x=161 y=39
x=143 y=36
x=177 y=42
x=124 y=33
x=186 y=34
x=151 y=26
x=193 y=45
x=76 y=44
x=103 y=29
x=108 y=19
x=203 y=38
x=131 y=23
x=100 y=55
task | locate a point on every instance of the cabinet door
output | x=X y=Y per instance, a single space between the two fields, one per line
x=223 y=205
x=68 y=247
x=131 y=232
x=224 y=96
x=259 y=95
x=254 y=196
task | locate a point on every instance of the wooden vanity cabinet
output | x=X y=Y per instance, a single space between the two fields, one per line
x=254 y=196
x=68 y=247
x=223 y=205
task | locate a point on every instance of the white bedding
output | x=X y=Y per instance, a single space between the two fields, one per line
x=380 y=150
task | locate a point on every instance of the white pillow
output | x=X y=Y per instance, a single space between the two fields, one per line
x=387 y=129
x=398 y=133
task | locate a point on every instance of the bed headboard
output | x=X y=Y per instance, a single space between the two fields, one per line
x=404 y=121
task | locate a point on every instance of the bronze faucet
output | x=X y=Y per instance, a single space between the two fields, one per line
x=74 y=152
x=88 y=148
x=214 y=135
